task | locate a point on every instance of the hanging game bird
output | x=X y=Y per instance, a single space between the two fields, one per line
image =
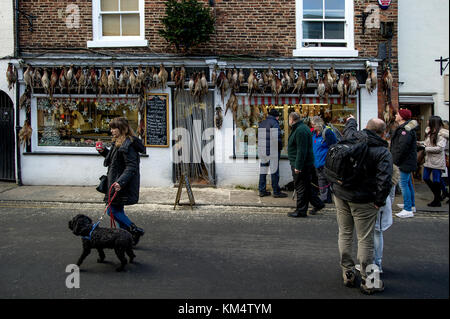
x=11 y=75
x=218 y=117
x=25 y=134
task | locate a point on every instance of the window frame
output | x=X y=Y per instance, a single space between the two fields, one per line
x=348 y=51
x=116 y=41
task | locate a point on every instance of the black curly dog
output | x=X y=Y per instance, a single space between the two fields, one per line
x=118 y=239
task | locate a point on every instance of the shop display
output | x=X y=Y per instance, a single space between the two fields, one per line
x=81 y=122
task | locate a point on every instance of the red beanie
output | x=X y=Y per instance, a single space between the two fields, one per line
x=405 y=114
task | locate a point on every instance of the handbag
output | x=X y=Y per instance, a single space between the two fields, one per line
x=103 y=186
x=420 y=157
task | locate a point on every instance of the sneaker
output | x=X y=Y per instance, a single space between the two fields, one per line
x=371 y=290
x=350 y=279
x=413 y=209
x=405 y=214
x=358 y=268
x=280 y=195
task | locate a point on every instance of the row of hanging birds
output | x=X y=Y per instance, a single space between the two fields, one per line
x=80 y=79
x=68 y=80
x=291 y=82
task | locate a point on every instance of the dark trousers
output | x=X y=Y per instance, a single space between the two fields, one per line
x=304 y=191
x=269 y=167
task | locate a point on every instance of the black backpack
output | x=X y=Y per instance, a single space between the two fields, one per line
x=345 y=162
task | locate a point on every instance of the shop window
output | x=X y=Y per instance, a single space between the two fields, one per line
x=80 y=123
x=118 y=23
x=325 y=28
x=246 y=133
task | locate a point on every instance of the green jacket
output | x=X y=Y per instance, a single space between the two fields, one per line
x=300 y=151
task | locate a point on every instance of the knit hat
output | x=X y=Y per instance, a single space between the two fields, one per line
x=274 y=113
x=405 y=114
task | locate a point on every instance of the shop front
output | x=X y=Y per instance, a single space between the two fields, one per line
x=187 y=126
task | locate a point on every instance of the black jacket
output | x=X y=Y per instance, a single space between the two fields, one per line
x=376 y=182
x=123 y=167
x=404 y=148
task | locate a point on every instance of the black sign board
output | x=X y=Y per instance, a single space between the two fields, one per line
x=157 y=120
x=184 y=179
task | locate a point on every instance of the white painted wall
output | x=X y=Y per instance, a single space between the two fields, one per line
x=423 y=31
x=6 y=28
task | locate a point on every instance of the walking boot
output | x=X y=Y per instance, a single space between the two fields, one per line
x=436 y=189
x=136 y=232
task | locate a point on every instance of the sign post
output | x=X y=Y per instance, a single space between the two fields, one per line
x=184 y=179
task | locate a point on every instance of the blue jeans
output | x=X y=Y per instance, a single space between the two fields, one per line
x=267 y=166
x=432 y=174
x=407 y=191
x=378 y=248
x=119 y=216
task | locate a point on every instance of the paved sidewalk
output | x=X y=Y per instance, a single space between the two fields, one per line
x=166 y=196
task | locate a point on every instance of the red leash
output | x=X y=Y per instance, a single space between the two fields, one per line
x=113 y=222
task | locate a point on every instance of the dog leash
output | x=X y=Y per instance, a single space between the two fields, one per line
x=113 y=222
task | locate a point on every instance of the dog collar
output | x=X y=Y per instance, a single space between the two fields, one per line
x=92 y=230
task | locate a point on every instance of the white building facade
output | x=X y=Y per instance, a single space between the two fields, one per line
x=423 y=33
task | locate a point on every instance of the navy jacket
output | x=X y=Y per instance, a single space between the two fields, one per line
x=269 y=123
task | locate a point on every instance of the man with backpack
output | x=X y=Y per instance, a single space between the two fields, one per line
x=323 y=138
x=361 y=182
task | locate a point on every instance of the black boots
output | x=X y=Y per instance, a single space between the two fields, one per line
x=436 y=189
x=136 y=232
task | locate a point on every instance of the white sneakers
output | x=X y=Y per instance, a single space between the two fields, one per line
x=402 y=205
x=405 y=214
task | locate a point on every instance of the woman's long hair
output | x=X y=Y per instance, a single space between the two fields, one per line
x=125 y=130
x=435 y=124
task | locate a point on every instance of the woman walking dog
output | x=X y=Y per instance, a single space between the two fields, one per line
x=123 y=174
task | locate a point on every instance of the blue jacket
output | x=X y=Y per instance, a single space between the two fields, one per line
x=321 y=146
x=269 y=123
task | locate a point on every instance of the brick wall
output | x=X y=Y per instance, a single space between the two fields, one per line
x=263 y=28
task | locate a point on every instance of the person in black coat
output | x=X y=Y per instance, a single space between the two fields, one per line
x=123 y=174
x=269 y=136
x=357 y=206
x=404 y=154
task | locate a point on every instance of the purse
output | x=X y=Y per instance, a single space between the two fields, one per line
x=103 y=186
x=420 y=157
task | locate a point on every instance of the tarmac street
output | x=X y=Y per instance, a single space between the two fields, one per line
x=212 y=251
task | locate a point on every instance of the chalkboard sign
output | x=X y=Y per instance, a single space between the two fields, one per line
x=157 y=120
x=184 y=179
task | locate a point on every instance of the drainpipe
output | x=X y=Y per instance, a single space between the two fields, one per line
x=16 y=54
